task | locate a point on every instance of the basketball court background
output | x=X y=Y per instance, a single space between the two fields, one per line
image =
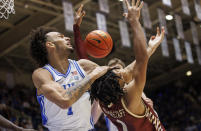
x=164 y=70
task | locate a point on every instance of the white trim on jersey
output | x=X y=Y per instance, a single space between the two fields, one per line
x=57 y=118
x=78 y=68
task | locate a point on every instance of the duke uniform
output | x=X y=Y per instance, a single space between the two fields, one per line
x=78 y=116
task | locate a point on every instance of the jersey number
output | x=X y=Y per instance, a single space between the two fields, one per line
x=123 y=125
x=70 y=112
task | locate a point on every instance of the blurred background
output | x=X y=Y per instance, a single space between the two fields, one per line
x=173 y=78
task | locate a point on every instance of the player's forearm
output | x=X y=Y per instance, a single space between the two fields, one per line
x=141 y=53
x=74 y=93
x=139 y=42
x=96 y=111
x=7 y=124
x=149 y=51
x=129 y=69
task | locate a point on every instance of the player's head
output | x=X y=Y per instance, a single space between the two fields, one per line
x=118 y=65
x=107 y=89
x=58 y=42
x=115 y=62
x=45 y=39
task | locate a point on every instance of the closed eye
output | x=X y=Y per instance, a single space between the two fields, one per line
x=61 y=36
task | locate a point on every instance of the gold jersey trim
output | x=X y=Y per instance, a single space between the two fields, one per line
x=129 y=112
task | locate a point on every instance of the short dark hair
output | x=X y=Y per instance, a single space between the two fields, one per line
x=107 y=89
x=38 y=49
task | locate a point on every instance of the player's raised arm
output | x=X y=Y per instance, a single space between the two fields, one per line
x=79 y=43
x=79 y=15
x=141 y=55
x=54 y=92
x=154 y=42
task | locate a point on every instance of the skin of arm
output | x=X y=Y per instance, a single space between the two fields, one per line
x=87 y=65
x=54 y=92
x=154 y=42
x=9 y=125
x=96 y=111
x=134 y=93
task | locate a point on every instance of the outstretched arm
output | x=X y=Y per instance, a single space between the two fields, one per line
x=136 y=88
x=155 y=41
x=9 y=125
x=54 y=92
x=79 y=43
x=153 y=44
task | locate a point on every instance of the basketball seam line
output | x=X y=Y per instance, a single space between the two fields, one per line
x=102 y=39
x=95 y=45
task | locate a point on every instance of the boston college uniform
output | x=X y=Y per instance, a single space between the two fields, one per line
x=125 y=120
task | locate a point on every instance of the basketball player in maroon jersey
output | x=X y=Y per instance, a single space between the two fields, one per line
x=125 y=73
x=121 y=101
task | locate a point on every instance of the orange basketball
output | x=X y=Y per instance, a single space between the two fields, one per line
x=98 y=44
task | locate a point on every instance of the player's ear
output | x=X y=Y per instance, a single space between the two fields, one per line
x=49 y=44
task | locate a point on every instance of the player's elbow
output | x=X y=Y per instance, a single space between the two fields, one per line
x=65 y=103
x=64 y=106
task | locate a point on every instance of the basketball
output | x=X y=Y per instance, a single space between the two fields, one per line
x=98 y=44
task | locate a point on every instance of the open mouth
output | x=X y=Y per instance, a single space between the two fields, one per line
x=69 y=44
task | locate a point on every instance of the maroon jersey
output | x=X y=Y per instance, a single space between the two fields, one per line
x=127 y=121
x=79 y=43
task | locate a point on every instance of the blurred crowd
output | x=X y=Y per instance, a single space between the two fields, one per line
x=178 y=106
x=20 y=106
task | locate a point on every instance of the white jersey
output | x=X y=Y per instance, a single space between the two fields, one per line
x=78 y=116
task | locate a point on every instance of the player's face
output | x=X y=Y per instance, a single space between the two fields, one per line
x=61 y=42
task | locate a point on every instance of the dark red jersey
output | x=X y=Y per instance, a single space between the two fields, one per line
x=79 y=43
x=125 y=120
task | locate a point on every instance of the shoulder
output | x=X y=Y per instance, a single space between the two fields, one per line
x=40 y=71
x=85 y=61
x=87 y=65
x=40 y=75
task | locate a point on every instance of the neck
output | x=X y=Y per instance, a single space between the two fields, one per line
x=59 y=63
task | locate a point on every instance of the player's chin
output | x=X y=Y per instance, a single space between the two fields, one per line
x=71 y=49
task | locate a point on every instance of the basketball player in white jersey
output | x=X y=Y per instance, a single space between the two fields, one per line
x=61 y=83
